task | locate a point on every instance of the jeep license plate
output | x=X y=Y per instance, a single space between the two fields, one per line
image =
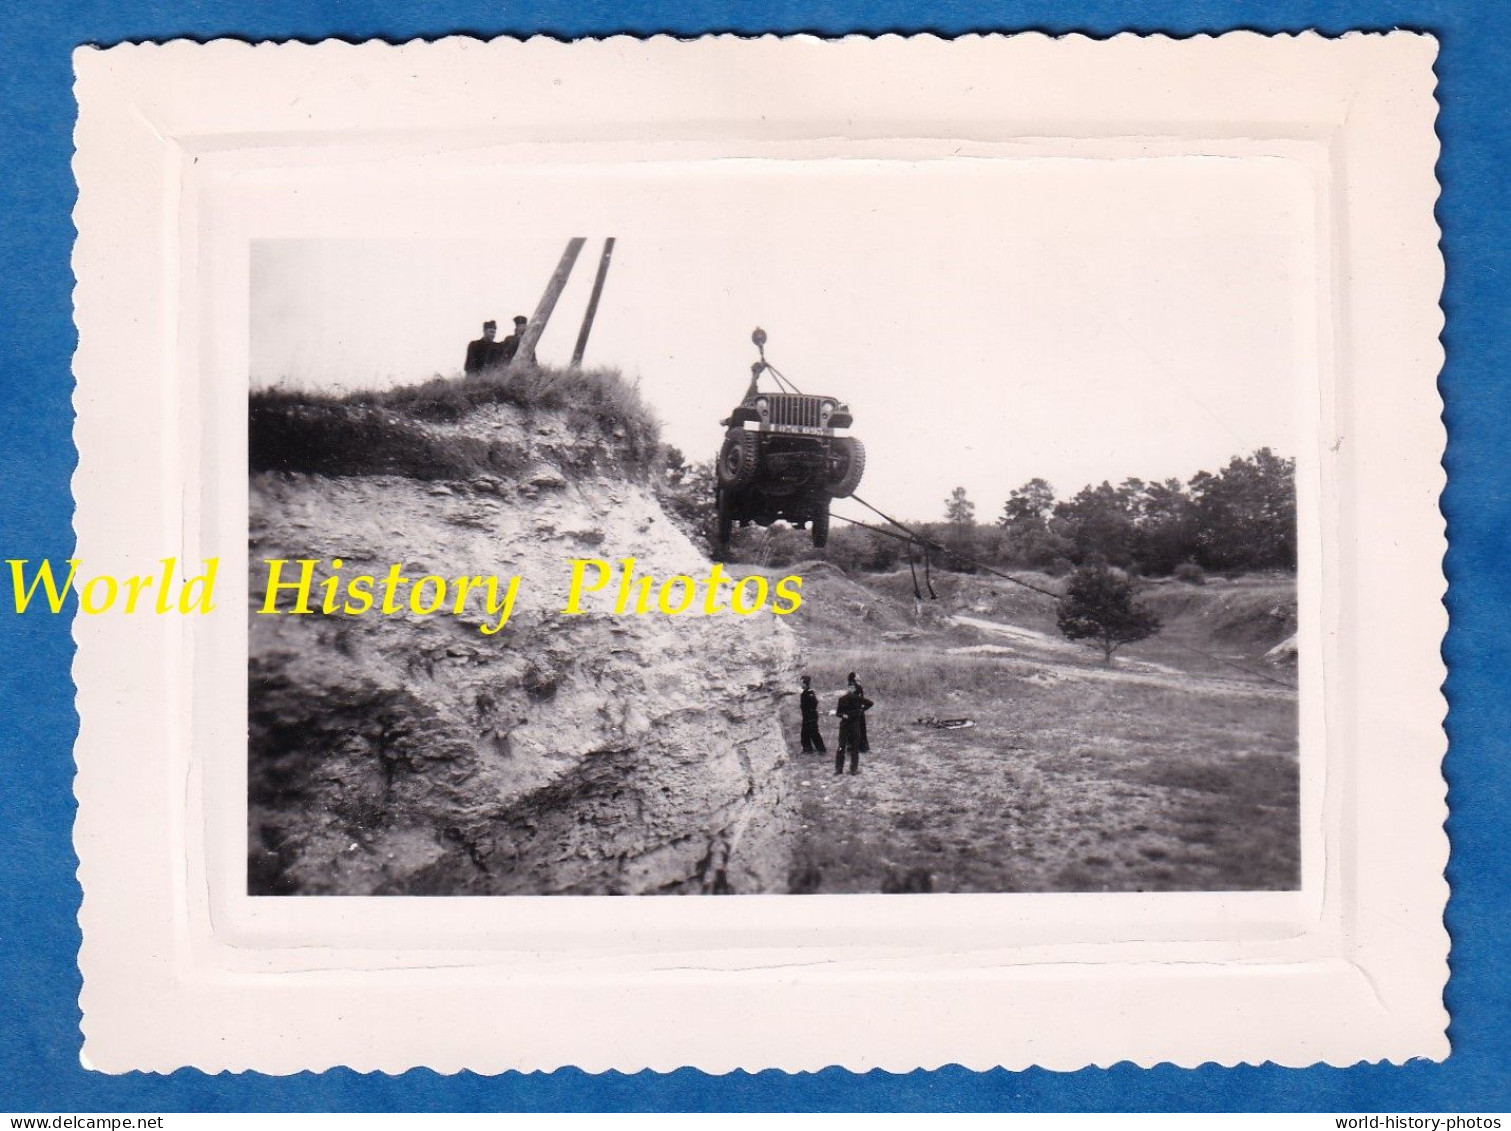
x=797 y=429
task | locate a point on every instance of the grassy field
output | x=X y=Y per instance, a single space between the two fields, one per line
x=1172 y=770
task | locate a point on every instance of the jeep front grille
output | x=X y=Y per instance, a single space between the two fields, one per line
x=798 y=410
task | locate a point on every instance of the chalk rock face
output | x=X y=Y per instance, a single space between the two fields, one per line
x=593 y=754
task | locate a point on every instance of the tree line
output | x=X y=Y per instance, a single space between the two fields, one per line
x=1239 y=518
x=1243 y=517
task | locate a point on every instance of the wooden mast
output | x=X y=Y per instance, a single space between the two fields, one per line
x=525 y=354
x=587 y=319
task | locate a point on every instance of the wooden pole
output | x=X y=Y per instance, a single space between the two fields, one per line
x=525 y=354
x=587 y=319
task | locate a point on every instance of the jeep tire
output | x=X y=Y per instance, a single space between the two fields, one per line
x=725 y=516
x=738 y=459
x=818 y=526
x=852 y=460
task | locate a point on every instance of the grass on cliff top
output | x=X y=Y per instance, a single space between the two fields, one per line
x=601 y=398
x=328 y=434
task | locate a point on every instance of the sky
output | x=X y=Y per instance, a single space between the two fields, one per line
x=988 y=321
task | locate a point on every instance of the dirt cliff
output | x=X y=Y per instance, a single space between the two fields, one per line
x=408 y=754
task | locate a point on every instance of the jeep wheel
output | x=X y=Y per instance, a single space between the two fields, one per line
x=726 y=517
x=852 y=465
x=818 y=526
x=737 y=462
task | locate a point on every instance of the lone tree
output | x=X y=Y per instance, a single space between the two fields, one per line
x=959 y=510
x=1099 y=606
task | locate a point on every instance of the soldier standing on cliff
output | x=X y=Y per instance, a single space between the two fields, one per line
x=813 y=741
x=509 y=347
x=482 y=353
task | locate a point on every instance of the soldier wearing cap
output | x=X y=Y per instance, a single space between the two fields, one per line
x=510 y=345
x=812 y=740
x=851 y=709
x=481 y=353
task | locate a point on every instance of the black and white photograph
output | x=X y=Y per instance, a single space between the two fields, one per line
x=972 y=501
x=825 y=528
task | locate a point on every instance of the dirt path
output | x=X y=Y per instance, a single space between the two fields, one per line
x=1061 y=659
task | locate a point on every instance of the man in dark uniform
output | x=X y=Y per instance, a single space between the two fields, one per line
x=482 y=354
x=510 y=345
x=851 y=710
x=862 y=742
x=813 y=741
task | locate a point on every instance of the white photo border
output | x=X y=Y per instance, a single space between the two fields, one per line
x=179 y=969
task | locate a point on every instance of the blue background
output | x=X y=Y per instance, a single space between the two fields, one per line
x=39 y=981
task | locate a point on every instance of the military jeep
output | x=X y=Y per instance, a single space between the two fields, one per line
x=783 y=459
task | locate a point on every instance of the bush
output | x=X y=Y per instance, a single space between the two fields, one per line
x=1099 y=606
x=1190 y=573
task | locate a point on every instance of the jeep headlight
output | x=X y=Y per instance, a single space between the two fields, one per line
x=825 y=411
x=763 y=406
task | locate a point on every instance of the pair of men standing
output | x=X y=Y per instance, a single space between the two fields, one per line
x=851 y=709
x=485 y=353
